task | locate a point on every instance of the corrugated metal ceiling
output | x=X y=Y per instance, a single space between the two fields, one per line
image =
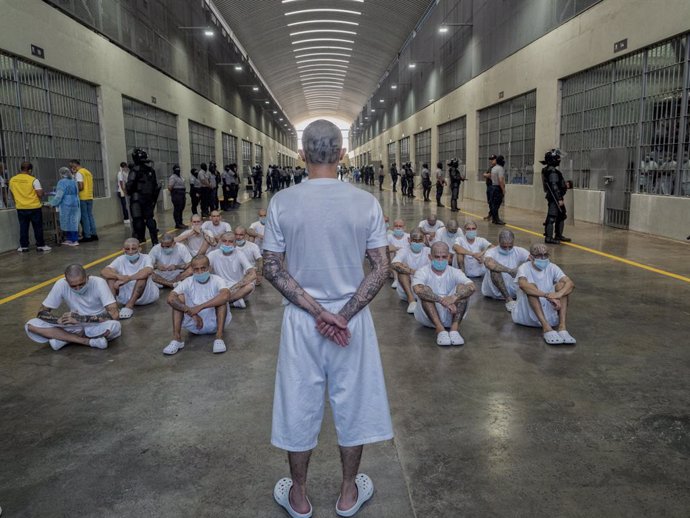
x=305 y=80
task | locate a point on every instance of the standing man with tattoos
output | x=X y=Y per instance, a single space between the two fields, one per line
x=443 y=293
x=92 y=319
x=327 y=337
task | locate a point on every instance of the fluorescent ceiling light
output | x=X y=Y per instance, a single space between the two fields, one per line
x=373 y=110
x=381 y=100
x=255 y=88
x=443 y=29
x=394 y=87
x=290 y=1
x=265 y=102
x=324 y=74
x=238 y=67
x=274 y=112
x=336 y=65
x=280 y=119
x=318 y=84
x=323 y=10
x=209 y=32
x=321 y=60
x=412 y=65
x=324 y=54
x=311 y=31
x=321 y=21
x=322 y=39
x=322 y=47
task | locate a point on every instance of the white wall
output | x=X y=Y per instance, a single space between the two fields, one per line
x=72 y=48
x=581 y=43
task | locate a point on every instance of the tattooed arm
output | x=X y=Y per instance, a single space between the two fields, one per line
x=73 y=318
x=176 y=302
x=371 y=284
x=46 y=315
x=402 y=268
x=276 y=273
x=248 y=278
x=424 y=292
x=218 y=300
x=493 y=265
x=464 y=291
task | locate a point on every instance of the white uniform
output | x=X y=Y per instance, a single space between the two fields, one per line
x=194 y=241
x=93 y=302
x=196 y=293
x=403 y=242
x=179 y=255
x=231 y=267
x=472 y=267
x=515 y=258
x=259 y=228
x=442 y=285
x=415 y=261
x=251 y=251
x=545 y=281
x=216 y=230
x=448 y=238
x=330 y=269
x=426 y=228
x=123 y=266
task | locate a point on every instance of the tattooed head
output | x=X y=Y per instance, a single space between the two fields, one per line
x=538 y=249
x=506 y=236
x=322 y=142
x=439 y=247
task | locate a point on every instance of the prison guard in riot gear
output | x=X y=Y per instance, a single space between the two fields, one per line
x=143 y=190
x=555 y=188
x=455 y=180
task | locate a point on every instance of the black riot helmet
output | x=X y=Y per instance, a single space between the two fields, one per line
x=139 y=156
x=176 y=169
x=552 y=157
x=453 y=162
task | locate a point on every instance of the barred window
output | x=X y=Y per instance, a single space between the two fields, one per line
x=260 y=155
x=422 y=149
x=247 y=158
x=202 y=144
x=404 y=150
x=47 y=118
x=452 y=141
x=391 y=154
x=229 y=149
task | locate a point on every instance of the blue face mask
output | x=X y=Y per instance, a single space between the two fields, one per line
x=451 y=234
x=168 y=251
x=240 y=242
x=262 y=221
x=541 y=263
x=227 y=249
x=132 y=258
x=416 y=247
x=503 y=251
x=439 y=266
x=398 y=232
x=471 y=234
x=82 y=290
x=202 y=277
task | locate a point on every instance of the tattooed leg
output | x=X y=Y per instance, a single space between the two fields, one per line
x=58 y=333
x=111 y=285
x=177 y=316
x=221 y=314
x=497 y=279
x=406 y=282
x=240 y=293
x=535 y=304
x=162 y=281
x=430 y=310
x=137 y=292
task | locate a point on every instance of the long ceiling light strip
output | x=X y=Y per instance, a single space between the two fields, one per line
x=312 y=31
x=305 y=22
x=290 y=1
x=322 y=47
x=324 y=70
x=340 y=40
x=323 y=60
x=323 y=10
x=323 y=65
x=334 y=74
x=341 y=54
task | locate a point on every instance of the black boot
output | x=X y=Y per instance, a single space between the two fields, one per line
x=559 y=232
x=551 y=241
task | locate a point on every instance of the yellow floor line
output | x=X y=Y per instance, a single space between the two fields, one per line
x=43 y=284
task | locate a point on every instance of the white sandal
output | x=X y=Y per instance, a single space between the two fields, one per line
x=553 y=338
x=365 y=490
x=281 y=493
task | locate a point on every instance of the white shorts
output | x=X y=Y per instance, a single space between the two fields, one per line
x=443 y=313
x=308 y=364
x=150 y=295
x=489 y=289
x=90 y=330
x=169 y=275
x=523 y=314
x=210 y=326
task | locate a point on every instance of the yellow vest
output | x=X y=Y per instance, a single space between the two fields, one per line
x=22 y=187
x=87 y=192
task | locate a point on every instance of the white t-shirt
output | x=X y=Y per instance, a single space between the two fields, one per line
x=415 y=261
x=36 y=184
x=251 y=251
x=515 y=258
x=259 y=228
x=179 y=255
x=216 y=230
x=121 y=180
x=93 y=302
x=193 y=240
x=231 y=267
x=426 y=228
x=544 y=279
x=79 y=177
x=326 y=240
x=497 y=172
x=124 y=266
x=473 y=268
x=403 y=242
x=196 y=293
x=442 y=285
x=443 y=235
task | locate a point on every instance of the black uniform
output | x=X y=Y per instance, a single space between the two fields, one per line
x=409 y=173
x=258 y=177
x=178 y=198
x=426 y=182
x=456 y=180
x=143 y=189
x=394 y=177
x=555 y=189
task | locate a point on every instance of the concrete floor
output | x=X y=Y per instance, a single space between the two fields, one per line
x=505 y=426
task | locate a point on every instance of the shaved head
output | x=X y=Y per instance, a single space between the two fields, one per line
x=322 y=143
x=229 y=235
x=506 y=236
x=200 y=260
x=538 y=249
x=239 y=228
x=131 y=241
x=75 y=272
x=470 y=223
x=167 y=238
x=439 y=247
x=416 y=234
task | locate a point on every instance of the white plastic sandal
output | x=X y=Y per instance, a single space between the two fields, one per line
x=553 y=338
x=567 y=337
x=365 y=490
x=281 y=493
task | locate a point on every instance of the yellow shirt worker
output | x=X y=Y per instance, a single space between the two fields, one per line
x=84 y=179
x=27 y=192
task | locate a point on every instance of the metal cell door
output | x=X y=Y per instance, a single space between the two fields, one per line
x=611 y=171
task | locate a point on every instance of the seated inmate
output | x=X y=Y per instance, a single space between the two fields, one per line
x=443 y=292
x=430 y=226
x=397 y=239
x=406 y=262
x=197 y=240
x=502 y=264
x=234 y=268
x=543 y=296
x=92 y=319
x=129 y=278
x=170 y=262
x=448 y=235
x=470 y=250
x=250 y=250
